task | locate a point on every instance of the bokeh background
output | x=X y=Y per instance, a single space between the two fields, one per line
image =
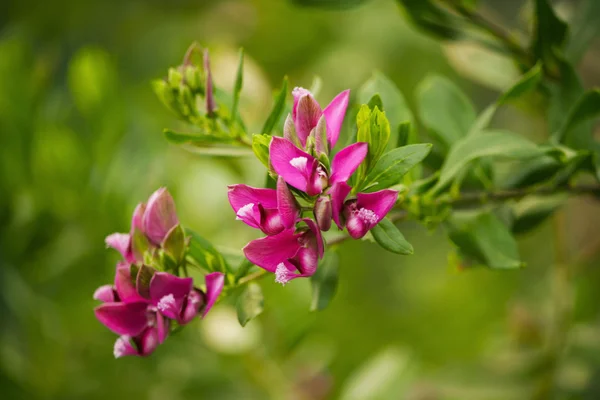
x=81 y=145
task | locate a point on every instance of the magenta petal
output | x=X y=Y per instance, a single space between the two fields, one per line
x=123 y=318
x=125 y=284
x=380 y=203
x=194 y=301
x=308 y=113
x=251 y=215
x=241 y=195
x=119 y=242
x=346 y=161
x=160 y=216
x=298 y=93
x=286 y=204
x=270 y=251
x=138 y=215
x=170 y=306
x=105 y=294
x=164 y=284
x=148 y=341
x=317 y=234
x=124 y=348
x=162 y=327
x=271 y=223
x=334 y=116
x=291 y=163
x=338 y=192
x=214 y=286
x=308 y=261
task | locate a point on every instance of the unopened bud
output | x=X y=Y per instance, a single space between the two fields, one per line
x=323 y=212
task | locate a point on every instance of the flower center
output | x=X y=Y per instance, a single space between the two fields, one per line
x=121 y=346
x=166 y=302
x=367 y=216
x=244 y=211
x=299 y=163
x=282 y=274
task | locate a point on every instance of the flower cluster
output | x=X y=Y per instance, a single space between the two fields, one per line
x=301 y=159
x=145 y=302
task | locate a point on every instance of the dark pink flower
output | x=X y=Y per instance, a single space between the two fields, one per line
x=367 y=210
x=290 y=254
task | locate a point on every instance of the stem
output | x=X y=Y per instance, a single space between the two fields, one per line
x=252 y=277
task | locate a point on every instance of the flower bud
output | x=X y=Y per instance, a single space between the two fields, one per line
x=323 y=212
x=160 y=216
x=210 y=100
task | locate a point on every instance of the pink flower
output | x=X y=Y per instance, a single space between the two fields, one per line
x=306 y=113
x=269 y=210
x=306 y=173
x=289 y=254
x=154 y=220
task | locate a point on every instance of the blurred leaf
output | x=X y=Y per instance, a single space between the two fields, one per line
x=374 y=129
x=587 y=107
x=394 y=164
x=375 y=101
x=485 y=240
x=444 y=109
x=388 y=236
x=331 y=4
x=584 y=29
x=403 y=134
x=431 y=18
x=531 y=211
x=205 y=254
x=531 y=172
x=549 y=34
x=324 y=282
x=260 y=147
x=195 y=139
x=237 y=87
x=564 y=94
x=528 y=82
x=243 y=269
x=488 y=143
x=174 y=243
x=278 y=109
x=250 y=303
x=394 y=104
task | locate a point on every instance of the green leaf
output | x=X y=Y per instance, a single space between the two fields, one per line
x=526 y=83
x=139 y=244
x=549 y=35
x=330 y=4
x=445 y=110
x=205 y=253
x=403 y=134
x=586 y=108
x=250 y=303
x=260 y=147
x=243 y=269
x=237 y=87
x=387 y=235
x=142 y=280
x=487 y=144
x=585 y=27
x=374 y=129
x=324 y=282
x=394 y=164
x=174 y=244
x=483 y=239
x=394 y=104
x=375 y=101
x=531 y=211
x=431 y=18
x=278 y=109
x=195 y=139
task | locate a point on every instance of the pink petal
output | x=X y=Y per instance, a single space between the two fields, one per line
x=125 y=284
x=241 y=195
x=307 y=260
x=105 y=294
x=162 y=327
x=323 y=213
x=306 y=115
x=271 y=223
x=334 y=115
x=338 y=192
x=314 y=229
x=160 y=216
x=194 y=301
x=346 y=161
x=298 y=93
x=291 y=163
x=124 y=348
x=380 y=202
x=214 y=286
x=270 y=251
x=251 y=215
x=123 y=318
x=136 y=219
x=148 y=341
x=286 y=204
x=164 y=284
x=120 y=242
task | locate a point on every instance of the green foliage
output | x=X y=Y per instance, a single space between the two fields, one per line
x=388 y=236
x=174 y=244
x=483 y=239
x=391 y=99
x=325 y=281
x=584 y=29
x=331 y=4
x=374 y=129
x=205 y=254
x=260 y=147
x=394 y=164
x=250 y=303
x=278 y=109
x=549 y=36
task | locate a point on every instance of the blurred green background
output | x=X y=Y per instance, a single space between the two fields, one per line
x=81 y=145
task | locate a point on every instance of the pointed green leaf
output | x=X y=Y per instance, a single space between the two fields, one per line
x=394 y=164
x=250 y=304
x=586 y=108
x=585 y=27
x=397 y=110
x=260 y=147
x=324 y=282
x=549 y=34
x=278 y=109
x=174 y=243
x=237 y=87
x=388 y=236
x=205 y=254
x=195 y=139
